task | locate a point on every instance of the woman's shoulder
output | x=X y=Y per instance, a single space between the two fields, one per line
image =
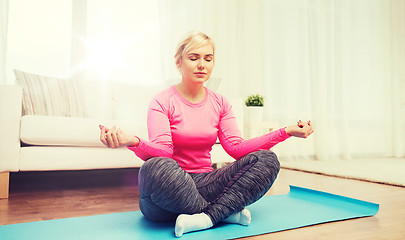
x=217 y=97
x=164 y=95
x=161 y=100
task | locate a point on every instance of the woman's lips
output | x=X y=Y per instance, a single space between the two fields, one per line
x=200 y=74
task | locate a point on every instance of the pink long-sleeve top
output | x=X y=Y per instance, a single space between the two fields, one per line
x=187 y=131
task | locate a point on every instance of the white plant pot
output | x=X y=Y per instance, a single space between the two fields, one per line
x=254 y=114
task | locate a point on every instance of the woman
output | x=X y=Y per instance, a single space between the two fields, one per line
x=177 y=182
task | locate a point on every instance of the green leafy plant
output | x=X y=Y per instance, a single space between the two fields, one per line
x=254 y=100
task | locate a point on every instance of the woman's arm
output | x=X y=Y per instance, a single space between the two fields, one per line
x=160 y=144
x=231 y=140
x=238 y=148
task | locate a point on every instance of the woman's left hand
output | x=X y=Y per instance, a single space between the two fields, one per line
x=301 y=130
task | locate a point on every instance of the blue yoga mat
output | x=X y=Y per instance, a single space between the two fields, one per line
x=300 y=207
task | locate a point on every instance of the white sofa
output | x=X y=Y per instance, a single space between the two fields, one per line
x=46 y=143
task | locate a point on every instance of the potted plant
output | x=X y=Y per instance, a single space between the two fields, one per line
x=254 y=108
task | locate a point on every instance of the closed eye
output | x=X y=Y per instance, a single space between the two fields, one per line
x=193 y=56
x=209 y=57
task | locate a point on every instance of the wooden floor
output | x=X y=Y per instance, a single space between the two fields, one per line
x=36 y=196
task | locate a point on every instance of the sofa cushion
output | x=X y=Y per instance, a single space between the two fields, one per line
x=43 y=158
x=69 y=131
x=48 y=96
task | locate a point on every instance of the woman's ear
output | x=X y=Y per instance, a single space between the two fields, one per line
x=178 y=64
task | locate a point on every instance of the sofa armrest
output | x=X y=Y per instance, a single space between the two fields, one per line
x=10 y=116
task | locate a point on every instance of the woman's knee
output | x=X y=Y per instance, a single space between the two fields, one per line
x=267 y=159
x=153 y=171
x=267 y=168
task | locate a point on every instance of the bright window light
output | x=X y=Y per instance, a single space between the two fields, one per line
x=105 y=55
x=123 y=41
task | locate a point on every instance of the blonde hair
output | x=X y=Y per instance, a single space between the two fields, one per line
x=192 y=40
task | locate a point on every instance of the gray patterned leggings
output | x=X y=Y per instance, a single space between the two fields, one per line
x=166 y=190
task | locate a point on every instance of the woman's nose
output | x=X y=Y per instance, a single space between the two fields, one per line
x=200 y=65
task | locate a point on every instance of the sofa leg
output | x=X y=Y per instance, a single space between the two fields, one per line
x=4 y=183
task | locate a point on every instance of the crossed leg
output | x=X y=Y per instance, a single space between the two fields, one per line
x=198 y=201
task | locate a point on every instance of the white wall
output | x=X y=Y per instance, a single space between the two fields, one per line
x=338 y=62
x=39 y=37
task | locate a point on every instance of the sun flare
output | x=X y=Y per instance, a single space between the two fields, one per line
x=104 y=55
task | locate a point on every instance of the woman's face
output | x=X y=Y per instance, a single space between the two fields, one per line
x=196 y=65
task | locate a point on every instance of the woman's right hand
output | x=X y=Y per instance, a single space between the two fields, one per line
x=115 y=138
